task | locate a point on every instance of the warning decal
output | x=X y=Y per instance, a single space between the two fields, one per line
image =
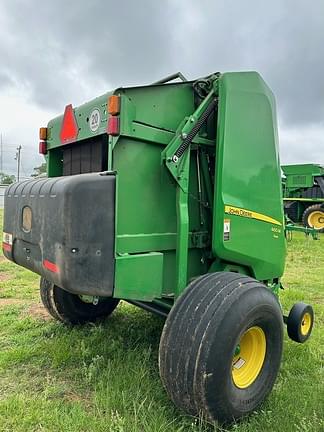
x=239 y=363
x=227 y=229
x=7 y=238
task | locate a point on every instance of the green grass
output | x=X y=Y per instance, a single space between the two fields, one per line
x=104 y=377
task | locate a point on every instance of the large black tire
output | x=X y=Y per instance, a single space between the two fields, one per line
x=313 y=217
x=69 y=308
x=199 y=346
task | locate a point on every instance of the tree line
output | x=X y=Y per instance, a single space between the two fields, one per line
x=7 y=179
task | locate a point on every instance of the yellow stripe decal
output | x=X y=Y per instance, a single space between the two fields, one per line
x=250 y=214
x=317 y=200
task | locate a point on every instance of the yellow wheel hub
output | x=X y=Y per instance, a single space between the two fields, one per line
x=306 y=324
x=316 y=219
x=249 y=357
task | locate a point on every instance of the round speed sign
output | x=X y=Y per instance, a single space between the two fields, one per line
x=94 y=120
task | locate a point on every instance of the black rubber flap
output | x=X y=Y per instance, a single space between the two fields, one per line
x=63 y=228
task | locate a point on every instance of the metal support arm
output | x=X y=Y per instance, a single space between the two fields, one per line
x=176 y=152
x=176 y=157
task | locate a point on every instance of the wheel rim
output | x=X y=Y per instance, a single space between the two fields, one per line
x=93 y=300
x=249 y=357
x=306 y=324
x=316 y=219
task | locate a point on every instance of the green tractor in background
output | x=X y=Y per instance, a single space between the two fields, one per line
x=303 y=195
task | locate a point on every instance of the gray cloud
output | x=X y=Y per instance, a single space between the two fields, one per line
x=5 y=80
x=283 y=40
x=52 y=44
x=70 y=51
x=55 y=43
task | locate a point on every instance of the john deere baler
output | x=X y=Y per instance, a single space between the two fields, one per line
x=169 y=196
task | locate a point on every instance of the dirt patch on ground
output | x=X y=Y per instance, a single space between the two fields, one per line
x=318 y=300
x=10 y=301
x=2 y=258
x=37 y=310
x=85 y=399
x=4 y=276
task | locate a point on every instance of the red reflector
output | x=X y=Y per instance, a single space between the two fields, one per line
x=69 y=128
x=42 y=147
x=113 y=126
x=6 y=247
x=50 y=266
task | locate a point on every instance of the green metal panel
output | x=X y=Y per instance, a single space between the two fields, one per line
x=54 y=162
x=302 y=169
x=300 y=180
x=82 y=115
x=248 y=214
x=161 y=107
x=146 y=209
x=299 y=177
x=138 y=243
x=146 y=214
x=139 y=277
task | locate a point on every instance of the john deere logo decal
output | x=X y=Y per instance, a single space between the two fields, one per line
x=250 y=214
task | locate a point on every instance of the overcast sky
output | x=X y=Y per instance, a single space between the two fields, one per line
x=58 y=52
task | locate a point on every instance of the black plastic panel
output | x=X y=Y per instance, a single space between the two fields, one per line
x=72 y=235
x=312 y=192
x=90 y=155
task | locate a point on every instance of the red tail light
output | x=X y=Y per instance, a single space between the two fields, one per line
x=42 y=147
x=69 y=129
x=6 y=247
x=51 y=266
x=113 y=126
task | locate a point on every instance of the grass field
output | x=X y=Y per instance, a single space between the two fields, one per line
x=104 y=377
